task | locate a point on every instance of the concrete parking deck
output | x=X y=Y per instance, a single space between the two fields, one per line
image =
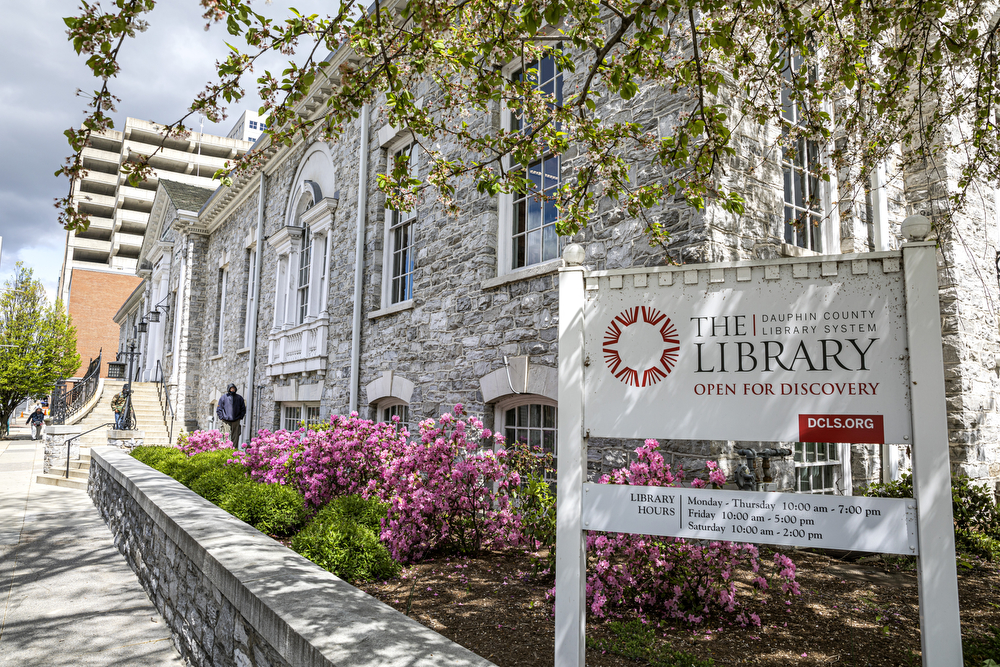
x=67 y=596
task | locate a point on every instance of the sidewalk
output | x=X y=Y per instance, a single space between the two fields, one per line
x=67 y=597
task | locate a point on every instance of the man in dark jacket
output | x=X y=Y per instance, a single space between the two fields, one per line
x=231 y=409
x=37 y=420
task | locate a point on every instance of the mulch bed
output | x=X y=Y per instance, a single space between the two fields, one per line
x=849 y=613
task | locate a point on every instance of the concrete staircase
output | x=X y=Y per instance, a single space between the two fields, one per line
x=148 y=417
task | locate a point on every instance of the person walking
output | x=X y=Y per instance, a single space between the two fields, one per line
x=36 y=419
x=231 y=409
x=118 y=405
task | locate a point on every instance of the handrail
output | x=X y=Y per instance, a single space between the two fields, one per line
x=81 y=393
x=164 y=395
x=78 y=435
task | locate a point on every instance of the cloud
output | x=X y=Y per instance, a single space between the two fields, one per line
x=163 y=70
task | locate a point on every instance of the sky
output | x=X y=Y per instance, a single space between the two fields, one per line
x=163 y=70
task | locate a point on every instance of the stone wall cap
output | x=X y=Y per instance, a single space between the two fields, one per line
x=63 y=429
x=307 y=614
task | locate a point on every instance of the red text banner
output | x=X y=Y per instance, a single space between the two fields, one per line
x=842 y=428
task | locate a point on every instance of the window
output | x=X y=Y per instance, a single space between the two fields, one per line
x=305 y=262
x=248 y=324
x=220 y=305
x=401 y=411
x=817 y=467
x=399 y=241
x=312 y=414
x=293 y=417
x=533 y=424
x=296 y=415
x=804 y=190
x=533 y=214
x=253 y=125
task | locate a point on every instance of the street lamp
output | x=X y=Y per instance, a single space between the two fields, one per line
x=115 y=371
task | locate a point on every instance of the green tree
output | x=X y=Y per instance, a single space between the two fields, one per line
x=37 y=343
x=914 y=82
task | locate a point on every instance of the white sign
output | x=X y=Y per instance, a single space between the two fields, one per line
x=820 y=349
x=816 y=354
x=879 y=525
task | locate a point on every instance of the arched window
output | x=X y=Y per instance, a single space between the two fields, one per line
x=394 y=407
x=530 y=419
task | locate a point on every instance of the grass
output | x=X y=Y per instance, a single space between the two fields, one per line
x=635 y=640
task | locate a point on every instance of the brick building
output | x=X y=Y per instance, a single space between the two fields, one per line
x=97 y=295
x=300 y=286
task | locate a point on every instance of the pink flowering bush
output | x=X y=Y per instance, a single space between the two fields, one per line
x=197 y=442
x=346 y=457
x=449 y=492
x=671 y=577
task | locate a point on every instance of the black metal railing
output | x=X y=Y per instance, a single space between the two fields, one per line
x=79 y=436
x=164 y=396
x=65 y=404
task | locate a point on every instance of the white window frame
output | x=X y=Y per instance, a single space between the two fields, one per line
x=394 y=219
x=392 y=404
x=248 y=324
x=840 y=468
x=505 y=240
x=220 y=324
x=304 y=275
x=501 y=407
x=829 y=217
x=304 y=414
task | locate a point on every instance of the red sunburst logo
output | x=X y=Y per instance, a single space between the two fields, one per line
x=650 y=351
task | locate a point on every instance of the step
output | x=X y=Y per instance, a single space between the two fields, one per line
x=56 y=480
x=74 y=464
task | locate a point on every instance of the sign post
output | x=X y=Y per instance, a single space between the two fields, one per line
x=940 y=627
x=841 y=349
x=571 y=557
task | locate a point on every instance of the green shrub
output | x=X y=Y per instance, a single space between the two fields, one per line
x=213 y=484
x=155 y=456
x=983 y=651
x=977 y=519
x=273 y=509
x=343 y=539
x=199 y=464
x=977 y=544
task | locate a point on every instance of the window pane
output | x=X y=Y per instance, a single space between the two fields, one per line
x=546 y=69
x=522 y=415
x=810 y=451
x=536 y=416
x=817 y=477
x=549 y=419
x=821 y=451
x=798 y=452
x=534 y=213
x=535 y=438
x=534 y=243
x=549 y=441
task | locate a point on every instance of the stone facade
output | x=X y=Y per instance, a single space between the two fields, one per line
x=471 y=318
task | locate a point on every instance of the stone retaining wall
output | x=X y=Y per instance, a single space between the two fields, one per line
x=234 y=597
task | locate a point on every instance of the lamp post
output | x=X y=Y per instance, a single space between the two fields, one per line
x=116 y=370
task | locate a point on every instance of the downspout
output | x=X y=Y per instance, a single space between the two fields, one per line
x=359 y=259
x=252 y=315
